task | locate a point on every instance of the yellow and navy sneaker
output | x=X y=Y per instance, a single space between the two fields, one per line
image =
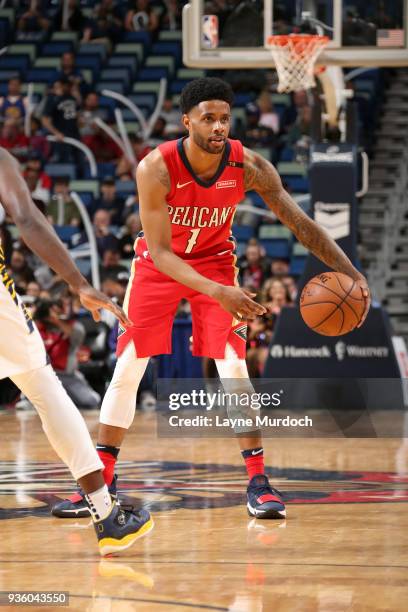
x=264 y=502
x=76 y=505
x=121 y=528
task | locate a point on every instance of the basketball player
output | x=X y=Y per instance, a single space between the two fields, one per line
x=188 y=192
x=24 y=360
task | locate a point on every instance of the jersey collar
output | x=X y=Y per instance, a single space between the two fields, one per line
x=221 y=167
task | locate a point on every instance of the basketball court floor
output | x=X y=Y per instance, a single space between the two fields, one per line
x=344 y=545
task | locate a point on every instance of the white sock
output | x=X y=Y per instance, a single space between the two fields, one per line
x=100 y=503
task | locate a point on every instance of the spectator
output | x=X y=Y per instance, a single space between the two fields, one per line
x=75 y=20
x=127 y=241
x=89 y=112
x=253 y=267
x=62 y=210
x=141 y=17
x=279 y=267
x=44 y=184
x=32 y=21
x=172 y=19
x=171 y=115
x=291 y=287
x=302 y=126
x=68 y=71
x=268 y=117
x=105 y=27
x=102 y=146
x=33 y=289
x=255 y=135
x=14 y=140
x=105 y=239
x=38 y=142
x=158 y=133
x=111 y=266
x=61 y=119
x=125 y=170
x=62 y=339
x=275 y=296
x=13 y=106
x=115 y=288
x=20 y=270
x=258 y=341
x=40 y=196
x=110 y=201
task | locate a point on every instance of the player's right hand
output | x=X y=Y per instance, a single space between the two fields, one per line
x=94 y=300
x=238 y=302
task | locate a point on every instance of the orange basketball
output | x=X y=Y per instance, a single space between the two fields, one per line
x=332 y=304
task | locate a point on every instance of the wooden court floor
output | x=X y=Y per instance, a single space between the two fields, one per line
x=344 y=545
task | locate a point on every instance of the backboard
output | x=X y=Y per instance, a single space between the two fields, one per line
x=234 y=33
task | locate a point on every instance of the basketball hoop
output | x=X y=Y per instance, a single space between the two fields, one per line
x=295 y=56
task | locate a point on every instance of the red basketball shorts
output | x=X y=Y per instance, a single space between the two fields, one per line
x=151 y=302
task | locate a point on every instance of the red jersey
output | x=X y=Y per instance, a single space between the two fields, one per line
x=201 y=212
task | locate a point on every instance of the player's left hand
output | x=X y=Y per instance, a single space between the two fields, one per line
x=365 y=290
x=93 y=300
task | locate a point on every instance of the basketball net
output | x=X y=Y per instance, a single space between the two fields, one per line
x=295 y=56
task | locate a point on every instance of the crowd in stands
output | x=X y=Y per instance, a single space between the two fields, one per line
x=69 y=110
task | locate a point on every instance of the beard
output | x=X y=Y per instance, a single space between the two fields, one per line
x=207 y=146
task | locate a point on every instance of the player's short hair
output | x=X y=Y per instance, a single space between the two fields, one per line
x=201 y=90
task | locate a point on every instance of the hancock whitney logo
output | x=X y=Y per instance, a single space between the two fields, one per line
x=340 y=349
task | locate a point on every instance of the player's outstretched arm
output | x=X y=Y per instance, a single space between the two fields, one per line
x=39 y=236
x=261 y=176
x=153 y=184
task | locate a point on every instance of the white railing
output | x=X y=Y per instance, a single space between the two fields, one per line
x=82 y=147
x=91 y=250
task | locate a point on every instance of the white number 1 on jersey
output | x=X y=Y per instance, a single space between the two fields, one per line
x=192 y=240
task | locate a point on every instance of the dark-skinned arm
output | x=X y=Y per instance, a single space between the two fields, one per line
x=40 y=237
x=153 y=184
x=261 y=176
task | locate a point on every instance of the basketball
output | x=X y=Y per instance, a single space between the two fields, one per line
x=331 y=304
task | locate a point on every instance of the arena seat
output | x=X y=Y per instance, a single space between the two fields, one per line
x=116 y=74
x=54 y=170
x=90 y=186
x=64 y=36
x=278 y=248
x=125 y=187
x=243 y=232
x=57 y=48
x=48 y=62
x=161 y=61
x=142 y=37
x=269 y=231
x=147 y=100
x=93 y=49
x=90 y=62
x=168 y=48
x=124 y=61
x=23 y=49
x=146 y=86
x=133 y=49
x=152 y=74
x=170 y=35
x=18 y=63
x=117 y=86
x=66 y=232
x=41 y=75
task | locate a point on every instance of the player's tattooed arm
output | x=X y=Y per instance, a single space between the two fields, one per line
x=261 y=176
